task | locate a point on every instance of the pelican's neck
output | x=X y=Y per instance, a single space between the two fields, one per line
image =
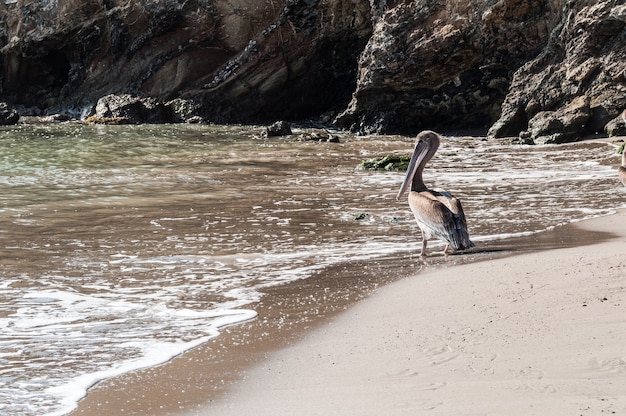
x=418 y=182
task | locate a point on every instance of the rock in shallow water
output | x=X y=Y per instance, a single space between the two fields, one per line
x=279 y=128
x=8 y=115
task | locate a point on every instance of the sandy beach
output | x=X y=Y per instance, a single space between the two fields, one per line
x=535 y=334
x=542 y=332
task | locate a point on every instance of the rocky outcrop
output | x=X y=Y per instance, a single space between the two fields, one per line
x=577 y=84
x=557 y=68
x=560 y=126
x=445 y=65
x=544 y=70
x=236 y=60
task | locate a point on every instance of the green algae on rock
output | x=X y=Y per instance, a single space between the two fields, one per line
x=388 y=162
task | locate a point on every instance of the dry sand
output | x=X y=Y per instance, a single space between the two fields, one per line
x=541 y=333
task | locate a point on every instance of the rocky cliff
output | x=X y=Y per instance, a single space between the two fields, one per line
x=577 y=83
x=438 y=64
x=236 y=60
x=546 y=70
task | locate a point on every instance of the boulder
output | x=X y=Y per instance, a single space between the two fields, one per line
x=131 y=109
x=315 y=136
x=184 y=111
x=8 y=115
x=561 y=126
x=279 y=128
x=617 y=126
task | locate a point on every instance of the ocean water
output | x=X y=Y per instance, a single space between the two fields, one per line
x=124 y=246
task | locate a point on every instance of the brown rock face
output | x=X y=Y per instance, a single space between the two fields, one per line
x=445 y=64
x=238 y=60
x=546 y=70
x=577 y=80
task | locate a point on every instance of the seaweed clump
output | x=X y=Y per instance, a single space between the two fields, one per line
x=387 y=163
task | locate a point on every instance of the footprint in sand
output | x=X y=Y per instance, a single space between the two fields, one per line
x=612 y=365
x=432 y=406
x=538 y=388
x=409 y=376
x=432 y=386
x=441 y=355
x=404 y=374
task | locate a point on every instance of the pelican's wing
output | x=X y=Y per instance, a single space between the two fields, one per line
x=452 y=203
x=460 y=234
x=443 y=215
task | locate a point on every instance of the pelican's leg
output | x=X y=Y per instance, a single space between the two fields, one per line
x=445 y=250
x=423 y=252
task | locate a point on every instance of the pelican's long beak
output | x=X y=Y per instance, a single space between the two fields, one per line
x=419 y=153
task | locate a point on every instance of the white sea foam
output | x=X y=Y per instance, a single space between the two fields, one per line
x=151 y=354
x=57 y=319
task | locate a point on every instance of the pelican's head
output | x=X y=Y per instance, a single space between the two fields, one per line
x=426 y=144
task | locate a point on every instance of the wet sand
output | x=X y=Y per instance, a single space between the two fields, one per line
x=506 y=330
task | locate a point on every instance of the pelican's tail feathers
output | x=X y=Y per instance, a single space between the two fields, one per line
x=460 y=239
x=462 y=243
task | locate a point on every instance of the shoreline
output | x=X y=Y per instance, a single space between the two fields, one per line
x=227 y=369
x=533 y=334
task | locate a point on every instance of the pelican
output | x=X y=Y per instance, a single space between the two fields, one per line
x=622 y=169
x=438 y=213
